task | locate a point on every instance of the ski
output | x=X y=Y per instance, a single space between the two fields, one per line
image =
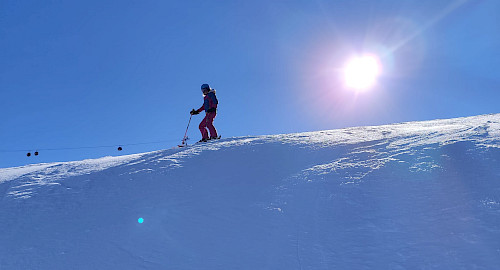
x=208 y=140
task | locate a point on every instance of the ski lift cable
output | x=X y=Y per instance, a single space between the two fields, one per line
x=86 y=147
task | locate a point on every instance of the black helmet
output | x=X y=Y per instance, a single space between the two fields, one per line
x=205 y=87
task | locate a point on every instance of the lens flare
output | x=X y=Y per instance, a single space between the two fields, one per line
x=140 y=220
x=361 y=73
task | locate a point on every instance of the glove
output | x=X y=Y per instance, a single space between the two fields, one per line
x=194 y=112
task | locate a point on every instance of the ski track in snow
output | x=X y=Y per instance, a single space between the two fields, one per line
x=34 y=176
x=383 y=144
x=386 y=143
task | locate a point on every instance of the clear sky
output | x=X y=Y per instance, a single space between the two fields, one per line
x=86 y=74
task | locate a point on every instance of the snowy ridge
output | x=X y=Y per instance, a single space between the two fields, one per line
x=483 y=130
x=404 y=196
x=46 y=174
x=58 y=170
x=398 y=140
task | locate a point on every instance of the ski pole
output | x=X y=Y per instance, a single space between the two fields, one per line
x=185 y=134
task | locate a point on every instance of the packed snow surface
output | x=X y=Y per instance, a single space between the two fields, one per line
x=419 y=195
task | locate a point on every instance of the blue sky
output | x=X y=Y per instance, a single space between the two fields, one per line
x=78 y=74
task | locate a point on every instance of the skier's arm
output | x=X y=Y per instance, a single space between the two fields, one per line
x=205 y=105
x=201 y=108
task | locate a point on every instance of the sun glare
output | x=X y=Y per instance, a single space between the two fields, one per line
x=360 y=73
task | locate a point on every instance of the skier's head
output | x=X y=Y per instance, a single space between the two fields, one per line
x=205 y=88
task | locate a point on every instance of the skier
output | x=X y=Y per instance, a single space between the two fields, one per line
x=210 y=106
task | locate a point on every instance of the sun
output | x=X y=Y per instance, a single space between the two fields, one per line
x=361 y=72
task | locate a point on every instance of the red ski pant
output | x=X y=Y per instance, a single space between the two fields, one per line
x=208 y=122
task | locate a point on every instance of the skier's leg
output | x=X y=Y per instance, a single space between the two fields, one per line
x=203 y=129
x=210 y=124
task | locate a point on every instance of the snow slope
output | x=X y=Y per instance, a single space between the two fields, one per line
x=420 y=195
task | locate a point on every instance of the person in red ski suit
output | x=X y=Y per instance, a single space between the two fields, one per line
x=210 y=106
